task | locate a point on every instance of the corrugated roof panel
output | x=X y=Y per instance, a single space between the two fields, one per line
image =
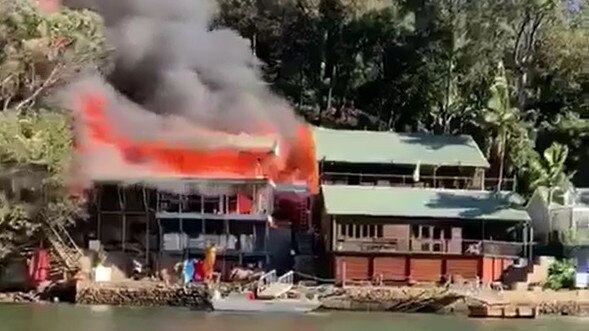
x=426 y=203
x=396 y=148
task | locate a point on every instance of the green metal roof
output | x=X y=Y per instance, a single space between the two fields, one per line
x=397 y=148
x=419 y=202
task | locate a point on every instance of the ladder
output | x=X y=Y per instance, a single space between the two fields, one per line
x=304 y=217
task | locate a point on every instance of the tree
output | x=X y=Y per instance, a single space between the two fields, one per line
x=34 y=154
x=41 y=53
x=501 y=118
x=550 y=172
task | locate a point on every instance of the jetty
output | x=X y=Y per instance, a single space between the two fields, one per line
x=489 y=302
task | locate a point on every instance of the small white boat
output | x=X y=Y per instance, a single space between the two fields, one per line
x=241 y=303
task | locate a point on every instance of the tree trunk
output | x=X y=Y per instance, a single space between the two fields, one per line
x=501 y=161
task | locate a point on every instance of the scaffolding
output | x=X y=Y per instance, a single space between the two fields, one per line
x=119 y=206
x=122 y=211
x=219 y=215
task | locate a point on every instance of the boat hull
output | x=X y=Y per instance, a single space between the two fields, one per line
x=264 y=306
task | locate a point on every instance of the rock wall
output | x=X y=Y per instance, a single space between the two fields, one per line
x=19 y=297
x=391 y=299
x=564 y=308
x=142 y=294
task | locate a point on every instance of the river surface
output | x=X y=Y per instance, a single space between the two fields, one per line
x=83 y=318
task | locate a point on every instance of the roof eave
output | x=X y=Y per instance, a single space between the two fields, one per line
x=404 y=163
x=430 y=217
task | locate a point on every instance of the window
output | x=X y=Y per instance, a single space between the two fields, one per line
x=437 y=233
x=365 y=230
x=361 y=231
x=430 y=238
x=415 y=231
x=379 y=231
x=372 y=231
x=425 y=231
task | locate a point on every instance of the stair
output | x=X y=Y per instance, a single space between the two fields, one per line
x=304 y=215
x=64 y=253
x=523 y=276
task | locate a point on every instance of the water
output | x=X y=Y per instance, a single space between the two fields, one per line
x=81 y=318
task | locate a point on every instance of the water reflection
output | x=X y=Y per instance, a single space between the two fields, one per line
x=102 y=318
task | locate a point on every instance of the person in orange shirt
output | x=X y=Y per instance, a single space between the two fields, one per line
x=209 y=262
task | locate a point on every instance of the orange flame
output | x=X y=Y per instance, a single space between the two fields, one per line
x=295 y=164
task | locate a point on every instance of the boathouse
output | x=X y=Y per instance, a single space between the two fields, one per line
x=399 y=234
x=419 y=207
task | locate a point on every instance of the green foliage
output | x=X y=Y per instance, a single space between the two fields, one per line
x=40 y=52
x=432 y=66
x=561 y=275
x=550 y=171
x=34 y=153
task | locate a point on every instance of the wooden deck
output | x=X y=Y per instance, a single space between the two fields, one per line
x=502 y=311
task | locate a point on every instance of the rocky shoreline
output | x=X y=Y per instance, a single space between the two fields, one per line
x=142 y=294
x=393 y=299
x=20 y=297
x=375 y=299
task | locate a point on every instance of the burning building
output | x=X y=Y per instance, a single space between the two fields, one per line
x=180 y=142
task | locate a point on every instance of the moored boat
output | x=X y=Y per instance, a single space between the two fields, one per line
x=243 y=303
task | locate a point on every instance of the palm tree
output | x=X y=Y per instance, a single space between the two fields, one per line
x=550 y=170
x=501 y=118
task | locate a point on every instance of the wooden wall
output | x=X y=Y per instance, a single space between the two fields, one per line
x=419 y=268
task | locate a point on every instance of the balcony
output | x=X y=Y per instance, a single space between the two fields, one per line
x=419 y=246
x=253 y=202
x=448 y=182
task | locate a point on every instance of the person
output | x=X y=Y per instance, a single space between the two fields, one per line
x=199 y=272
x=209 y=263
x=188 y=274
x=137 y=270
x=179 y=269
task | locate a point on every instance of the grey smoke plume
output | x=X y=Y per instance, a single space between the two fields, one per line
x=173 y=70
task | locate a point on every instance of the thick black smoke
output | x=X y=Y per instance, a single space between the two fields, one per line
x=168 y=61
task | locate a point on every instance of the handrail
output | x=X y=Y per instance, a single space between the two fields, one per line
x=401 y=176
x=463 y=247
x=507 y=183
x=268 y=278
x=287 y=278
x=63 y=244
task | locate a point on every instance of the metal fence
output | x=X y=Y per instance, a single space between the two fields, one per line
x=449 y=182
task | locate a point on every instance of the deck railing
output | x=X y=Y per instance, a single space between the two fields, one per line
x=449 y=182
x=287 y=278
x=268 y=278
x=441 y=246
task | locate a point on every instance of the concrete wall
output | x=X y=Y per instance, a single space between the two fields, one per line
x=538 y=212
